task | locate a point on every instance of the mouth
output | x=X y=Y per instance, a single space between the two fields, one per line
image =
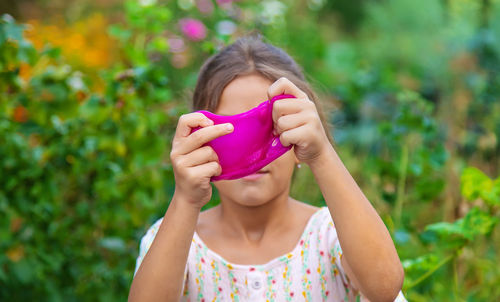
x=256 y=175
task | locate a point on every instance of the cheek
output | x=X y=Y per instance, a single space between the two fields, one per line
x=283 y=166
x=275 y=183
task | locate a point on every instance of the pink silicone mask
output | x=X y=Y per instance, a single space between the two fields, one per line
x=251 y=145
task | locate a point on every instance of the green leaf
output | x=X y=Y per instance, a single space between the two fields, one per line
x=446 y=229
x=473 y=182
x=475 y=185
x=421 y=263
x=475 y=223
x=159 y=44
x=114 y=244
x=10 y=30
x=119 y=32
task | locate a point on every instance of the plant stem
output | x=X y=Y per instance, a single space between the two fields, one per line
x=455 y=280
x=431 y=271
x=401 y=184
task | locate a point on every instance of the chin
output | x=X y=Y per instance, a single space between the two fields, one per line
x=252 y=201
x=251 y=193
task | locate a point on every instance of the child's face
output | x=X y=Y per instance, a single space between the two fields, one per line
x=240 y=95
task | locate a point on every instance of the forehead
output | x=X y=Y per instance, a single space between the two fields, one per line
x=242 y=94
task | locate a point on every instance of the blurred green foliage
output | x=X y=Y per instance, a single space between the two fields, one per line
x=416 y=90
x=81 y=174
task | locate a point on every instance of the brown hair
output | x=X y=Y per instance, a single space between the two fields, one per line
x=247 y=55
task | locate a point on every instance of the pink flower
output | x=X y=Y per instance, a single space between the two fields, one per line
x=193 y=29
x=176 y=45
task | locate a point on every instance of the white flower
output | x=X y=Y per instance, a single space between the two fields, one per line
x=76 y=82
x=225 y=27
x=147 y=2
x=272 y=11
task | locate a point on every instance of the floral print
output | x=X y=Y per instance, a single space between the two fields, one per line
x=312 y=271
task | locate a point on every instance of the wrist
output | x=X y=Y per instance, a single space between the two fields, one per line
x=183 y=202
x=320 y=161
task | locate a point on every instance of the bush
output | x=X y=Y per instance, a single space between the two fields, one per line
x=84 y=143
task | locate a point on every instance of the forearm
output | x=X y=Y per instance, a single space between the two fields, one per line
x=160 y=276
x=366 y=242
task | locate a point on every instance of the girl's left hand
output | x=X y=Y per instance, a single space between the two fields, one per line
x=297 y=122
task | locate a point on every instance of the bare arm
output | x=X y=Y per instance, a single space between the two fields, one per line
x=369 y=254
x=161 y=273
x=371 y=260
x=160 y=276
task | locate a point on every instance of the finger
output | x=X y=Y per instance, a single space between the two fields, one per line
x=207 y=170
x=284 y=86
x=202 y=136
x=290 y=121
x=200 y=156
x=294 y=136
x=191 y=120
x=289 y=106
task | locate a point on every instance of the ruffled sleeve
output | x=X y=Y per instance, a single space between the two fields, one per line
x=331 y=244
x=335 y=254
x=145 y=244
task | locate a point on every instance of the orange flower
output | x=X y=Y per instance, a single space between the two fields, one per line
x=16 y=224
x=25 y=71
x=20 y=114
x=80 y=96
x=46 y=95
x=84 y=43
x=16 y=253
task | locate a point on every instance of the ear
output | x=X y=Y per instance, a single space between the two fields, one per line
x=297 y=161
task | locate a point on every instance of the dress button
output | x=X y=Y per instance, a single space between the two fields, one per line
x=256 y=284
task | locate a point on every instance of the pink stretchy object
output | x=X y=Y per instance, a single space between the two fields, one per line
x=251 y=145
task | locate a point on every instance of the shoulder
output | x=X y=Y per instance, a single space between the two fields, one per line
x=149 y=236
x=153 y=229
x=322 y=227
x=317 y=215
x=304 y=206
x=156 y=225
x=146 y=241
x=304 y=211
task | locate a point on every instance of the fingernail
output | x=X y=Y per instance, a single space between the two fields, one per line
x=229 y=127
x=210 y=122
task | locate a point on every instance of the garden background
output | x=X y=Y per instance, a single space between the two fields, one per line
x=90 y=93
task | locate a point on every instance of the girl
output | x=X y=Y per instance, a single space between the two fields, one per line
x=260 y=244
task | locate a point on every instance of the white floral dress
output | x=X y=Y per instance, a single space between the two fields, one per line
x=312 y=271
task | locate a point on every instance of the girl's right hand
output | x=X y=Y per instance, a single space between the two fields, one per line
x=193 y=163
